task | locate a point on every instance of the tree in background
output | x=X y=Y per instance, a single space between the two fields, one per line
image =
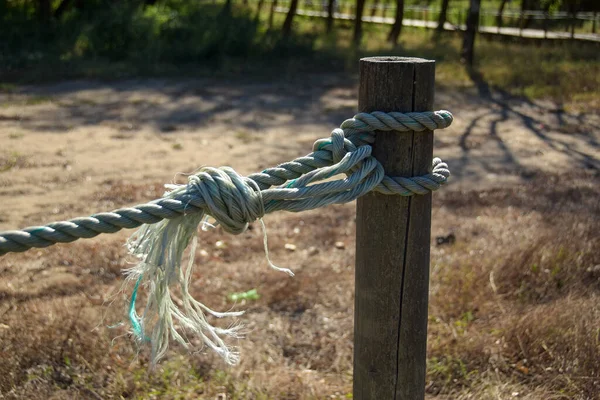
x=397 y=27
x=272 y=13
x=526 y=5
x=374 y=7
x=287 y=24
x=500 y=12
x=442 y=18
x=383 y=8
x=44 y=10
x=360 y=6
x=330 y=5
x=226 y=8
x=259 y=9
x=522 y=23
x=467 y=53
x=573 y=6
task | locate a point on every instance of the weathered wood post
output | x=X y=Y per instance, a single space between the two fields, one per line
x=392 y=241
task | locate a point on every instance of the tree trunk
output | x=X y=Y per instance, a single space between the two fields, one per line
x=500 y=12
x=287 y=24
x=44 y=10
x=374 y=7
x=545 y=23
x=523 y=22
x=259 y=9
x=272 y=13
x=360 y=6
x=471 y=31
x=397 y=27
x=573 y=11
x=442 y=18
x=330 y=5
x=226 y=10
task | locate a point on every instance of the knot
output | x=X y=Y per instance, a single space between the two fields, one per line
x=230 y=198
x=338 y=144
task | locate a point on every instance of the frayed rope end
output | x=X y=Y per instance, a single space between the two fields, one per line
x=170 y=308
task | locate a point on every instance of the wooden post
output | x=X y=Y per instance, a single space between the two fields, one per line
x=392 y=241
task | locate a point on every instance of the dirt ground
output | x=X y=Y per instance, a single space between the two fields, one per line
x=74 y=148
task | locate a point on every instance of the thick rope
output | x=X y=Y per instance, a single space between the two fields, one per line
x=235 y=201
x=170 y=223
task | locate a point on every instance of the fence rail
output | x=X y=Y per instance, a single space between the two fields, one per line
x=455 y=23
x=529 y=23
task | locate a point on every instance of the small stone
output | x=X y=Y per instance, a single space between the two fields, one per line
x=594 y=269
x=204 y=253
x=290 y=247
x=340 y=245
x=221 y=244
x=312 y=250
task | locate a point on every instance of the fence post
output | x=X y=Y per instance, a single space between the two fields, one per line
x=392 y=241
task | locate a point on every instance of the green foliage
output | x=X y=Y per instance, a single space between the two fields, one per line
x=170 y=31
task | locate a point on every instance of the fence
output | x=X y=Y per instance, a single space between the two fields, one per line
x=529 y=23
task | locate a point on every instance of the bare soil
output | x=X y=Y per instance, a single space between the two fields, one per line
x=523 y=199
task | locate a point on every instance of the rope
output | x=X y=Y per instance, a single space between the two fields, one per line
x=234 y=201
x=170 y=224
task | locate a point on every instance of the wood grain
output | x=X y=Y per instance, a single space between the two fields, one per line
x=392 y=241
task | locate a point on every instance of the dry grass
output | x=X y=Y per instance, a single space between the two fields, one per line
x=514 y=305
x=10 y=160
x=517 y=303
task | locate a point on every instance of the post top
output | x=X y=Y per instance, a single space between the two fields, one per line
x=395 y=59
